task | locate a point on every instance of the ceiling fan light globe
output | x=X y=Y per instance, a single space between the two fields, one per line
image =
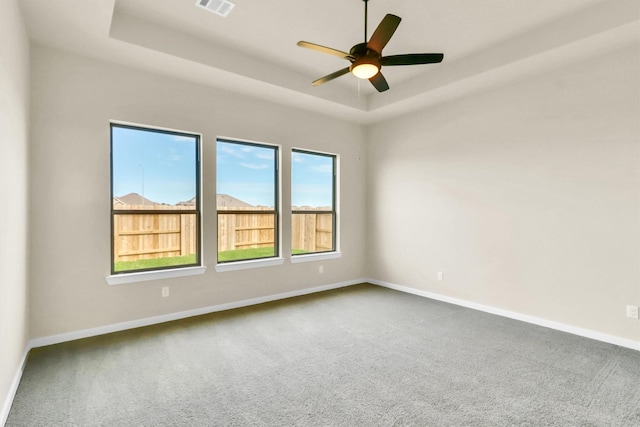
x=365 y=70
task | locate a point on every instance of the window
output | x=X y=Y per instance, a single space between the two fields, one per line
x=246 y=200
x=313 y=202
x=155 y=199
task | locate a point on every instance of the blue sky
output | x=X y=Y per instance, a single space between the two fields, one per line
x=246 y=172
x=159 y=166
x=312 y=179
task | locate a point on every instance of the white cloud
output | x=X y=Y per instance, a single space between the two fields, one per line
x=179 y=138
x=227 y=149
x=265 y=156
x=323 y=168
x=254 y=166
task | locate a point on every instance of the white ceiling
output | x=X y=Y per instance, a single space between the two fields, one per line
x=253 y=50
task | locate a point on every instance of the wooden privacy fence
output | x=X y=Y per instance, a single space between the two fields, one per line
x=245 y=230
x=312 y=232
x=151 y=235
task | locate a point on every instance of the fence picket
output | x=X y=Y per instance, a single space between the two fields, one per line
x=151 y=235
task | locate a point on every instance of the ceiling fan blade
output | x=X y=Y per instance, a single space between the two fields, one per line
x=412 y=59
x=330 y=51
x=383 y=33
x=379 y=82
x=330 y=76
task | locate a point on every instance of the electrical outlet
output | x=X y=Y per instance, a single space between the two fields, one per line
x=165 y=291
x=632 y=311
x=321 y=269
x=440 y=275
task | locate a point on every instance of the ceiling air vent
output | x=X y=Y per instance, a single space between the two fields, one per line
x=220 y=7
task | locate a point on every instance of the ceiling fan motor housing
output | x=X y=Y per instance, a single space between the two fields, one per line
x=361 y=50
x=362 y=56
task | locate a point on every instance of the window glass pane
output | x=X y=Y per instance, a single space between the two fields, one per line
x=153 y=170
x=312 y=198
x=154 y=179
x=151 y=241
x=246 y=201
x=246 y=176
x=311 y=232
x=311 y=181
x=245 y=236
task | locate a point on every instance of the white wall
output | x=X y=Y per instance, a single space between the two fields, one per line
x=527 y=196
x=73 y=100
x=14 y=125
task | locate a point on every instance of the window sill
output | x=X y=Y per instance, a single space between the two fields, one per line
x=315 y=257
x=254 y=263
x=143 y=276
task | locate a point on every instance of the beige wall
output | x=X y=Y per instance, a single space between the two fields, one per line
x=14 y=125
x=527 y=197
x=73 y=100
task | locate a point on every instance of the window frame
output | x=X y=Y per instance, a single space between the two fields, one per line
x=334 y=209
x=276 y=258
x=135 y=275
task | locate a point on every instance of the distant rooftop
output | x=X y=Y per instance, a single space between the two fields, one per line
x=227 y=201
x=222 y=201
x=133 y=199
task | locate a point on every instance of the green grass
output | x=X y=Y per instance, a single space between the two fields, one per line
x=225 y=256
x=240 y=254
x=144 y=264
x=253 y=253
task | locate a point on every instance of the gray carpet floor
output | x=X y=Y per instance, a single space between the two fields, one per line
x=358 y=356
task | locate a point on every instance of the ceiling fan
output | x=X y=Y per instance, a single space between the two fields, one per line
x=366 y=58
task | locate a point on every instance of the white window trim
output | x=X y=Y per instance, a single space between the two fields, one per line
x=257 y=262
x=319 y=256
x=315 y=257
x=144 y=276
x=251 y=263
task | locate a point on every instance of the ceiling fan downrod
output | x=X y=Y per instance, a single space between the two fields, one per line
x=366 y=2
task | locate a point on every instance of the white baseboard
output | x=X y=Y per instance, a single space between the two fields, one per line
x=70 y=336
x=8 y=401
x=101 y=330
x=587 y=333
x=86 y=333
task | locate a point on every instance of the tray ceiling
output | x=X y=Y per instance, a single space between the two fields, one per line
x=253 y=50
